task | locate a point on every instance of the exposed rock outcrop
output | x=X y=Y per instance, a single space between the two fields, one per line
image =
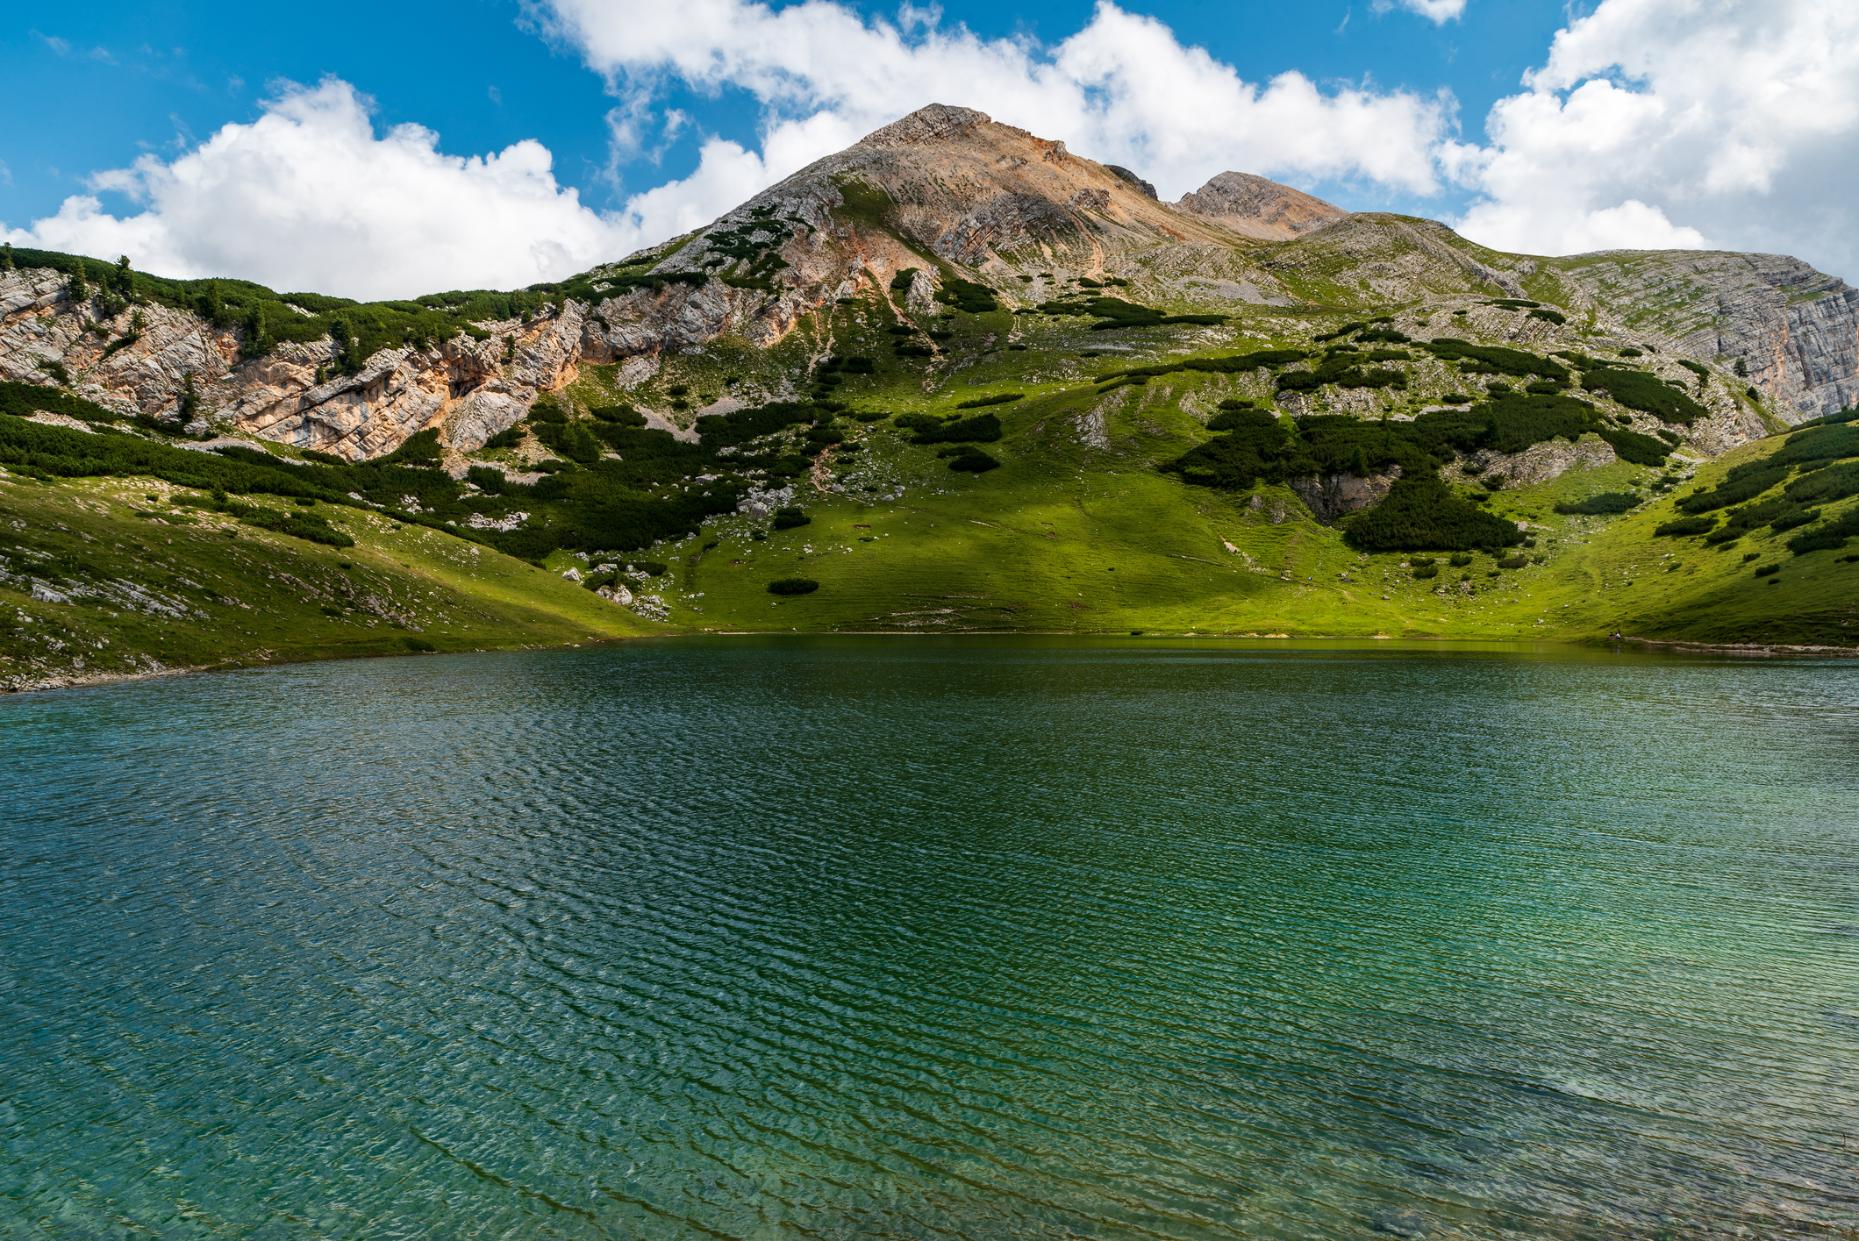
x=1792 y=330
x=1333 y=496
x=1252 y=206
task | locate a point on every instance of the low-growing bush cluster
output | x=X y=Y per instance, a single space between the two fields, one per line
x=1815 y=467
x=1494 y=359
x=968 y=459
x=1114 y=312
x=929 y=429
x=1645 y=392
x=967 y=296
x=1602 y=504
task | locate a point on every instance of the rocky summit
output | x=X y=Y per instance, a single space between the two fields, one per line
x=953 y=377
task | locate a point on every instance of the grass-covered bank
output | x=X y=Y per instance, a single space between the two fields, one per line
x=102 y=578
x=1078 y=530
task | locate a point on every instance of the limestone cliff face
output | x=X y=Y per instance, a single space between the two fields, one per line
x=1794 y=330
x=41 y=332
x=465 y=388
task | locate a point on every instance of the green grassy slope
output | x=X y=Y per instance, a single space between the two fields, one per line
x=108 y=576
x=1076 y=533
x=1753 y=589
x=127 y=547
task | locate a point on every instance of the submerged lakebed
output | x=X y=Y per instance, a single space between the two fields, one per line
x=977 y=938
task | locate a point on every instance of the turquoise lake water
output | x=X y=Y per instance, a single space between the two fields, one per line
x=896 y=938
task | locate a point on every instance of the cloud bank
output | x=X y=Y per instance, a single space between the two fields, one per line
x=1123 y=89
x=1661 y=123
x=310 y=195
x=1650 y=123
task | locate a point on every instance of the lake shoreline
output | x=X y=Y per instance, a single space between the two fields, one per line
x=55 y=683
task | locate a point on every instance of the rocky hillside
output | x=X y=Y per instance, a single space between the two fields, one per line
x=1255 y=207
x=1793 y=331
x=942 y=201
x=919 y=210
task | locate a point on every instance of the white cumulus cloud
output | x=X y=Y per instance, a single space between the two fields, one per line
x=1438 y=11
x=309 y=196
x=1660 y=123
x=1122 y=89
x=312 y=195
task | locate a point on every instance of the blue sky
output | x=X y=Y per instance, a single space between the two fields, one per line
x=633 y=125
x=135 y=78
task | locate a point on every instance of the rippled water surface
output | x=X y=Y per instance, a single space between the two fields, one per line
x=884 y=938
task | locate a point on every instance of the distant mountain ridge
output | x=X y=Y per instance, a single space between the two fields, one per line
x=951 y=195
x=1255 y=207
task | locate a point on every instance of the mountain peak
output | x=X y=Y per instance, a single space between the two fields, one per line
x=1254 y=206
x=930 y=123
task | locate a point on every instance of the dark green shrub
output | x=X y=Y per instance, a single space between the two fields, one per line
x=969 y=459
x=1509 y=423
x=1794 y=519
x=1513 y=562
x=1228 y=364
x=1742 y=483
x=420 y=448
x=1422 y=513
x=975 y=429
x=1494 y=359
x=967 y=296
x=1342 y=370
x=1819 y=443
x=1828 y=537
x=1606 y=502
x=1632 y=447
x=793 y=586
x=617 y=415
x=1826 y=484
x=999 y=398
x=573 y=440
x=1685 y=526
x=1645 y=392
x=789 y=518
x=1423 y=571
x=1768 y=570
x=1241 y=418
